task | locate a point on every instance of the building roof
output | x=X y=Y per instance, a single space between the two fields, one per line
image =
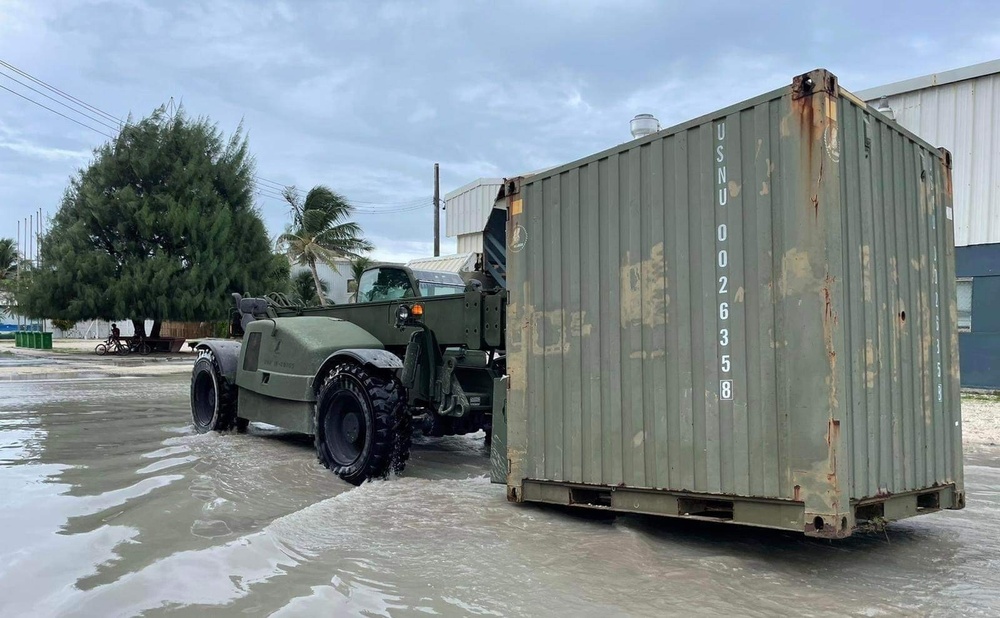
x=459 y=262
x=927 y=81
x=472 y=185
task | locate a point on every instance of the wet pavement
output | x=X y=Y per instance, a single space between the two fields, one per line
x=111 y=505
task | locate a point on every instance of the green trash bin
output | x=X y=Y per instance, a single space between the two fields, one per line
x=46 y=341
x=17 y=339
x=36 y=339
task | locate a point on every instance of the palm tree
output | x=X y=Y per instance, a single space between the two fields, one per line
x=358 y=267
x=320 y=232
x=8 y=257
x=304 y=289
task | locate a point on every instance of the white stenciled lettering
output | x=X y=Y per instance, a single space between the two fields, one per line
x=726 y=387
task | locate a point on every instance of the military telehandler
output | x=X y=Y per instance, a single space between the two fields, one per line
x=417 y=348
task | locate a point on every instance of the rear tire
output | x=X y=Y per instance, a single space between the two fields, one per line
x=213 y=398
x=359 y=422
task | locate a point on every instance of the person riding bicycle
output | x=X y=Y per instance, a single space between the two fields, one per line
x=116 y=334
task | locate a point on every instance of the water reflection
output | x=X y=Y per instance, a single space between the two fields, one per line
x=112 y=505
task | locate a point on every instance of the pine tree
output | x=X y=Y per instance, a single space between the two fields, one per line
x=161 y=225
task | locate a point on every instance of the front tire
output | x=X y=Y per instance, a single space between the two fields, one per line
x=357 y=424
x=213 y=398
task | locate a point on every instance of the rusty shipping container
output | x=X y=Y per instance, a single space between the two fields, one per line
x=749 y=317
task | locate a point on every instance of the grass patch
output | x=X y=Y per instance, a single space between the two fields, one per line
x=991 y=396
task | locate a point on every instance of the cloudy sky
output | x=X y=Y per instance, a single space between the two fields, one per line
x=366 y=96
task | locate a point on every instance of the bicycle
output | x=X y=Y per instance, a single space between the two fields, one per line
x=139 y=346
x=115 y=346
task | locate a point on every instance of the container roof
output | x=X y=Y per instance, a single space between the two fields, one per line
x=928 y=81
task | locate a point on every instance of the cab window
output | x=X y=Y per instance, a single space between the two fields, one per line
x=384 y=284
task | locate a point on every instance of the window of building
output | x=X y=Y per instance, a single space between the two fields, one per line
x=965 y=305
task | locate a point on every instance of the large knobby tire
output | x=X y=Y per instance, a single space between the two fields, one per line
x=359 y=416
x=213 y=398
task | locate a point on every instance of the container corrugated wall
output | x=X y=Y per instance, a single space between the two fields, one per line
x=718 y=309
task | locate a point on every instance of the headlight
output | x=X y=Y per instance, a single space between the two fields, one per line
x=403 y=313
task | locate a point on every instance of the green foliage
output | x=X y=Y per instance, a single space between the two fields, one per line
x=63 y=325
x=161 y=225
x=304 y=288
x=8 y=257
x=358 y=266
x=220 y=329
x=321 y=232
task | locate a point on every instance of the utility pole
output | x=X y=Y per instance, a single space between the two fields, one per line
x=17 y=252
x=437 y=211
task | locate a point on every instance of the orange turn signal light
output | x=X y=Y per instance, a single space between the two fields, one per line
x=417 y=310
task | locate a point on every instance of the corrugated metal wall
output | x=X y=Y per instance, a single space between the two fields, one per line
x=467 y=208
x=459 y=262
x=963 y=117
x=700 y=311
x=901 y=318
x=470 y=243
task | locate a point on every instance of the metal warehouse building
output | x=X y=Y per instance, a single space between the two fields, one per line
x=960 y=110
x=466 y=209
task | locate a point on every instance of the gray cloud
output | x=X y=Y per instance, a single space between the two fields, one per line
x=365 y=97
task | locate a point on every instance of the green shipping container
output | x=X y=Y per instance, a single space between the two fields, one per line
x=749 y=317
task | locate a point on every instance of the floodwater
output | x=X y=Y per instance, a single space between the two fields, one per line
x=111 y=505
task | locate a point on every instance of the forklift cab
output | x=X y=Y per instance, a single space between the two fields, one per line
x=383 y=283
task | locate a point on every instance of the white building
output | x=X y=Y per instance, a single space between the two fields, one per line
x=960 y=110
x=455 y=263
x=466 y=210
x=335 y=280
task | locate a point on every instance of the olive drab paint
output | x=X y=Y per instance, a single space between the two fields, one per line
x=749 y=317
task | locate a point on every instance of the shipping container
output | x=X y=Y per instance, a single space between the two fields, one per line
x=749 y=317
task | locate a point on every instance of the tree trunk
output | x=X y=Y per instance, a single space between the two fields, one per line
x=319 y=287
x=139 y=328
x=155 y=332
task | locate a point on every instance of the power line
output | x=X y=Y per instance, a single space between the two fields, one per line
x=277 y=185
x=72 y=109
x=265 y=187
x=60 y=92
x=57 y=113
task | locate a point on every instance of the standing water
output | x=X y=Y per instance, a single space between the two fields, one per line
x=110 y=504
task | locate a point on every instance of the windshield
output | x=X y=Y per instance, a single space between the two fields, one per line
x=437 y=283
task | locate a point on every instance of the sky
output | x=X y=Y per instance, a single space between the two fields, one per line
x=366 y=96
